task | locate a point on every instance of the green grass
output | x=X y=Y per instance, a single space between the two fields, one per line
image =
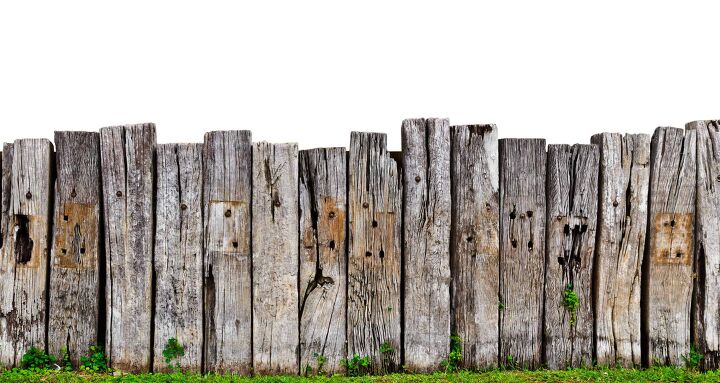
x=666 y=374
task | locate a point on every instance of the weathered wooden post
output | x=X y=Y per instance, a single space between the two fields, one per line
x=572 y=201
x=522 y=250
x=178 y=255
x=227 y=180
x=26 y=196
x=275 y=258
x=127 y=156
x=621 y=235
x=75 y=255
x=669 y=264
x=706 y=306
x=374 y=259
x=323 y=259
x=474 y=243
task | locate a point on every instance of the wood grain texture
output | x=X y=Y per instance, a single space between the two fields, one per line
x=669 y=264
x=706 y=313
x=572 y=201
x=620 y=246
x=374 y=255
x=227 y=196
x=522 y=250
x=426 y=246
x=275 y=258
x=127 y=156
x=323 y=258
x=474 y=243
x=25 y=253
x=178 y=255
x=75 y=255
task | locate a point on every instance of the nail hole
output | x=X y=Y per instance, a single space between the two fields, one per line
x=417 y=178
x=529 y=214
x=65 y=218
x=672 y=223
x=530 y=245
x=615 y=204
x=235 y=244
x=382 y=253
x=119 y=194
x=368 y=254
x=331 y=245
x=470 y=239
x=678 y=255
x=512 y=214
x=82 y=250
x=331 y=215
x=73 y=194
x=28 y=195
x=514 y=243
x=228 y=213
x=365 y=205
x=183 y=207
x=64 y=251
x=374 y=223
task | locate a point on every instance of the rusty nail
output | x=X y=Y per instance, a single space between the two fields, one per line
x=365 y=205
x=331 y=215
x=615 y=203
x=73 y=194
x=417 y=178
x=227 y=213
x=28 y=195
x=119 y=194
x=183 y=207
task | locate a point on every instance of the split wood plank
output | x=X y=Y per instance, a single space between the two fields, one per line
x=374 y=257
x=75 y=255
x=474 y=246
x=323 y=259
x=275 y=258
x=178 y=255
x=227 y=160
x=522 y=250
x=669 y=264
x=128 y=165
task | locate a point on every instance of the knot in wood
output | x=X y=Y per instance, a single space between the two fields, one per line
x=73 y=194
x=28 y=195
x=228 y=213
x=277 y=203
x=183 y=207
x=417 y=178
x=365 y=205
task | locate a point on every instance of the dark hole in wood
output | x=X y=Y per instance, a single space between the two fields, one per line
x=183 y=207
x=678 y=255
x=331 y=215
x=28 y=195
x=119 y=194
x=672 y=223
x=583 y=228
x=228 y=213
x=566 y=229
x=514 y=243
x=235 y=244
x=615 y=204
x=487 y=206
x=530 y=245
x=73 y=194
x=368 y=254
x=561 y=261
x=365 y=205
x=470 y=239
x=512 y=214
x=577 y=260
x=331 y=245
x=82 y=250
x=23 y=242
x=374 y=223
x=417 y=178
x=382 y=253
x=529 y=214
x=65 y=218
x=64 y=251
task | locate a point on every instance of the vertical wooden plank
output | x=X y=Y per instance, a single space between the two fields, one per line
x=275 y=258
x=426 y=226
x=707 y=244
x=178 y=254
x=374 y=258
x=474 y=244
x=323 y=258
x=24 y=264
x=621 y=235
x=672 y=216
x=572 y=200
x=128 y=164
x=75 y=256
x=228 y=301
x=522 y=250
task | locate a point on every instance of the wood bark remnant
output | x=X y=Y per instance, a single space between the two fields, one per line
x=474 y=245
x=522 y=250
x=275 y=258
x=669 y=264
x=75 y=255
x=620 y=246
x=706 y=313
x=572 y=201
x=227 y=196
x=374 y=258
x=323 y=259
x=178 y=255
x=26 y=204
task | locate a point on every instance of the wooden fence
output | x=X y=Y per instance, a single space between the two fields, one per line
x=263 y=259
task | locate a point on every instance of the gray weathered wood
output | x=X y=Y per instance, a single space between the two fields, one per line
x=707 y=244
x=178 y=254
x=426 y=227
x=323 y=258
x=374 y=255
x=24 y=263
x=75 y=253
x=672 y=216
x=522 y=250
x=226 y=201
x=621 y=235
x=275 y=258
x=572 y=201
x=474 y=243
x=128 y=165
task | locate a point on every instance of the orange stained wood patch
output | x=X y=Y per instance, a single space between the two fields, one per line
x=76 y=236
x=228 y=226
x=673 y=241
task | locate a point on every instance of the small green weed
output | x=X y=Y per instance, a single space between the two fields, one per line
x=95 y=361
x=36 y=359
x=693 y=359
x=65 y=362
x=173 y=351
x=571 y=302
x=357 y=365
x=452 y=362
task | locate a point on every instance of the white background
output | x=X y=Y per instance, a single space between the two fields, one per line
x=312 y=71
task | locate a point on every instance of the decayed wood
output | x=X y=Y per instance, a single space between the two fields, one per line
x=323 y=258
x=426 y=245
x=474 y=243
x=275 y=258
x=24 y=263
x=522 y=250
x=227 y=160
x=178 y=254
x=572 y=200
x=621 y=235
x=706 y=306
x=374 y=258
x=672 y=216
x=127 y=163
x=75 y=253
